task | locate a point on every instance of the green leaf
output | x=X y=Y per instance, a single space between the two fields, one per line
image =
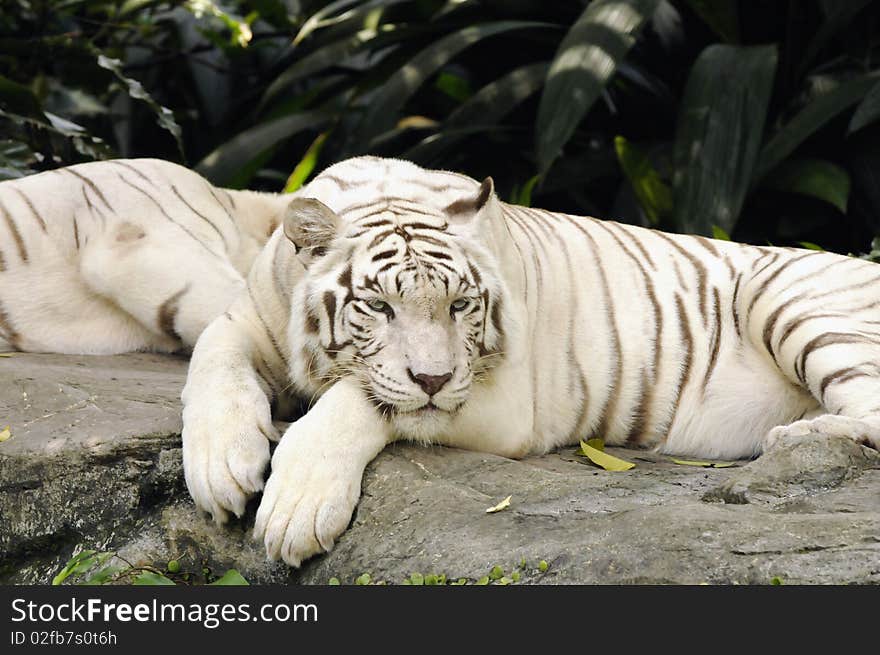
x=482 y=581
x=382 y=112
x=103 y=574
x=721 y=16
x=654 y=196
x=363 y=579
x=149 y=578
x=812 y=177
x=79 y=563
x=604 y=460
x=306 y=165
x=455 y=86
x=18 y=99
x=867 y=112
x=333 y=582
x=164 y=116
x=809 y=245
x=223 y=164
x=231 y=578
x=524 y=196
x=417 y=579
x=719 y=132
x=317 y=61
x=586 y=59
x=478 y=114
x=596 y=442
x=719 y=233
x=809 y=119
x=838 y=16
x=325 y=16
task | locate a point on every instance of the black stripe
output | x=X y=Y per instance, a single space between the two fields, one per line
x=16 y=235
x=385 y=254
x=716 y=339
x=828 y=339
x=609 y=409
x=166 y=215
x=33 y=209
x=764 y=285
x=167 y=314
x=700 y=270
x=843 y=375
x=436 y=254
x=7 y=330
x=687 y=344
x=202 y=216
x=642 y=411
x=134 y=170
x=91 y=186
x=637 y=242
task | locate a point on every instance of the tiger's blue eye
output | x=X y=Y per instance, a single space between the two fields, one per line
x=459 y=304
x=378 y=305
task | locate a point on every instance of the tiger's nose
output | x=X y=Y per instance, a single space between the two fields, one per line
x=430 y=384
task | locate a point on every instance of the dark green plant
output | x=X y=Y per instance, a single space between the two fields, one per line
x=90 y=567
x=757 y=120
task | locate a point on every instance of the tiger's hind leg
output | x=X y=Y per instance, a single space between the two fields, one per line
x=172 y=286
x=838 y=360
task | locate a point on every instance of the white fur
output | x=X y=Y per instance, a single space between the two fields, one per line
x=587 y=306
x=121 y=238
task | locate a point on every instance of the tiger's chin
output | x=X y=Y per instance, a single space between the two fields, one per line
x=424 y=424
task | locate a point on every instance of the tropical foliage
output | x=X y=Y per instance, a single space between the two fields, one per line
x=758 y=120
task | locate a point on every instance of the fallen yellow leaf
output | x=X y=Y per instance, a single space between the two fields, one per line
x=5 y=434
x=689 y=462
x=607 y=462
x=598 y=443
x=504 y=504
x=7 y=354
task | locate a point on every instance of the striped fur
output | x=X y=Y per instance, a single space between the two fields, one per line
x=405 y=303
x=123 y=255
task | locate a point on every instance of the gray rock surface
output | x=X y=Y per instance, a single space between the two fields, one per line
x=94 y=462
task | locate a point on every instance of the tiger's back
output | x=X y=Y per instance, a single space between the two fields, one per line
x=677 y=341
x=122 y=255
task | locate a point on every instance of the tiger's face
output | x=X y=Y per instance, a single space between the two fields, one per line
x=403 y=301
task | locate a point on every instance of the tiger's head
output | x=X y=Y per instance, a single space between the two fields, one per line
x=400 y=290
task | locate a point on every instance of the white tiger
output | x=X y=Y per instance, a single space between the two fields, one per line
x=123 y=255
x=413 y=304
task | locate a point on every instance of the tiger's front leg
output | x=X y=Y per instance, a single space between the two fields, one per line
x=316 y=474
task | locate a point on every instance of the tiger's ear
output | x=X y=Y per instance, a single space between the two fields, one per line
x=310 y=226
x=466 y=208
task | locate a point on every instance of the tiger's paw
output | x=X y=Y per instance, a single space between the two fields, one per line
x=226 y=447
x=308 y=501
x=862 y=431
